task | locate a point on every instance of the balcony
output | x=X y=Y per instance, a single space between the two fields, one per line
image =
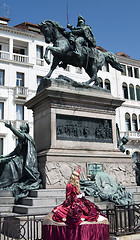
x=20 y=58
x=4 y=55
x=20 y=93
x=40 y=62
x=132 y=135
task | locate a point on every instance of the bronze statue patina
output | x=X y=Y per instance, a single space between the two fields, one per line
x=81 y=36
x=104 y=186
x=19 y=169
x=121 y=141
x=77 y=48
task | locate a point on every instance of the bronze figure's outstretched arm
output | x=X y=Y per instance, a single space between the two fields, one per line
x=15 y=131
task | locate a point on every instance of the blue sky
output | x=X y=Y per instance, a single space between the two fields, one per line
x=115 y=24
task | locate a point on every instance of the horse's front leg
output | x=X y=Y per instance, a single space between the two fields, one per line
x=46 y=55
x=53 y=67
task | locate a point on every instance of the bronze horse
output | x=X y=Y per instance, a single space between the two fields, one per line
x=91 y=60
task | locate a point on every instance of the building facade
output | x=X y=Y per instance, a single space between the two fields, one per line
x=22 y=67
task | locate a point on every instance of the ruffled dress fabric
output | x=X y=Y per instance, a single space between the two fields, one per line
x=75 y=210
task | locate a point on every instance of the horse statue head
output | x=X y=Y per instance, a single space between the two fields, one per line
x=49 y=27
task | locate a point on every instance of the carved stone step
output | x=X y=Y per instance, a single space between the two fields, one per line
x=32 y=209
x=5 y=193
x=48 y=193
x=6 y=208
x=133 y=189
x=7 y=200
x=48 y=201
x=22 y=209
x=136 y=197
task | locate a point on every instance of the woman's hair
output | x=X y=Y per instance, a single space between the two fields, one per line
x=74 y=181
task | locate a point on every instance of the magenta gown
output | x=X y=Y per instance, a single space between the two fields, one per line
x=75 y=210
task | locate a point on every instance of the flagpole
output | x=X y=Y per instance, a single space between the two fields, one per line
x=67 y=13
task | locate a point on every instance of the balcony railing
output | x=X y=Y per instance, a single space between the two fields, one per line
x=4 y=55
x=39 y=62
x=20 y=58
x=21 y=92
x=132 y=135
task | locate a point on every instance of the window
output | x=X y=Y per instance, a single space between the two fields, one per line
x=127 y=122
x=1 y=146
x=2 y=76
x=134 y=123
x=138 y=92
x=101 y=82
x=39 y=78
x=107 y=84
x=39 y=52
x=19 y=112
x=79 y=70
x=125 y=90
x=67 y=68
x=19 y=50
x=124 y=70
x=1 y=110
x=136 y=72
x=132 y=93
x=20 y=79
x=130 y=73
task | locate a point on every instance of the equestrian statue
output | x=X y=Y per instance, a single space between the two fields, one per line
x=76 y=47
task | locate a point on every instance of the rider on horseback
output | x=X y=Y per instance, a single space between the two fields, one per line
x=81 y=36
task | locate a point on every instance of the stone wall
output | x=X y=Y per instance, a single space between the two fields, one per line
x=56 y=174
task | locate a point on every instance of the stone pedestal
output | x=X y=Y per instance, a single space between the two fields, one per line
x=75 y=125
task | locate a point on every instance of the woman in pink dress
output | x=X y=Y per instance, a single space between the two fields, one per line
x=76 y=208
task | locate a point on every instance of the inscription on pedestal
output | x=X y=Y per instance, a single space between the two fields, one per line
x=94 y=168
x=77 y=128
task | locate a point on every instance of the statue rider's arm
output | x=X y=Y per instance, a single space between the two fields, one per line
x=70 y=27
x=16 y=132
x=75 y=31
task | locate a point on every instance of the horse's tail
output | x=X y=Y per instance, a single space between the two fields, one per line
x=111 y=58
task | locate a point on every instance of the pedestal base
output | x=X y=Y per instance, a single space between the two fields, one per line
x=77 y=126
x=85 y=231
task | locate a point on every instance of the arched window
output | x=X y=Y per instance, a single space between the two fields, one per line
x=127 y=122
x=138 y=92
x=132 y=93
x=125 y=90
x=134 y=123
x=101 y=82
x=107 y=85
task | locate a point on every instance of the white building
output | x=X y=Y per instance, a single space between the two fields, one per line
x=22 y=66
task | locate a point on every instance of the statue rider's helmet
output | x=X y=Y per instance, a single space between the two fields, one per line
x=81 y=21
x=24 y=128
